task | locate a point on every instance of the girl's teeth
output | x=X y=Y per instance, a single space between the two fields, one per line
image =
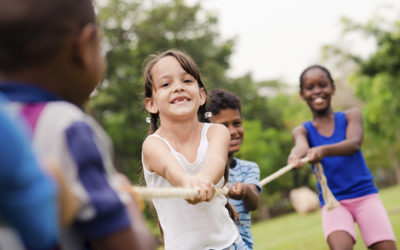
x=318 y=100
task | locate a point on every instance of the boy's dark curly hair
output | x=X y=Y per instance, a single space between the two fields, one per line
x=220 y=99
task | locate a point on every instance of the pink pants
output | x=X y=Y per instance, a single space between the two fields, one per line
x=367 y=211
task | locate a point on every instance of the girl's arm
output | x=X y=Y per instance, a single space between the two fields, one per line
x=352 y=143
x=217 y=155
x=300 y=148
x=158 y=158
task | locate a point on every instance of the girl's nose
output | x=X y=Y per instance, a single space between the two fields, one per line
x=316 y=89
x=178 y=86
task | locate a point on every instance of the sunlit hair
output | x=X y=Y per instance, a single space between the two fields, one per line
x=220 y=99
x=188 y=65
x=33 y=32
x=316 y=66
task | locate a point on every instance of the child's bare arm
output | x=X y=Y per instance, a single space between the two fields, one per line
x=300 y=148
x=352 y=143
x=158 y=158
x=217 y=155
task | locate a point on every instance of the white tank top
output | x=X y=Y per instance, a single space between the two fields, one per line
x=203 y=226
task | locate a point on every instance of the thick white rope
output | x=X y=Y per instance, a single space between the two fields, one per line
x=150 y=193
x=280 y=172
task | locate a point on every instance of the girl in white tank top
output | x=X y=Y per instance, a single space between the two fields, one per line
x=185 y=152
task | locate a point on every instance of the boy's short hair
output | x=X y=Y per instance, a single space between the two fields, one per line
x=220 y=99
x=32 y=32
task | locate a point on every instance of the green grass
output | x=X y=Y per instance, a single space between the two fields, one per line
x=294 y=231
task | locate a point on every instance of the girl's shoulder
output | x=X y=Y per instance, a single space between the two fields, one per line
x=300 y=129
x=353 y=114
x=152 y=142
x=216 y=129
x=352 y=111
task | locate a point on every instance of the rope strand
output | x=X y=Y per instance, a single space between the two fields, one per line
x=330 y=200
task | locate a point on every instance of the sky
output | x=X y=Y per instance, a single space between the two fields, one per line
x=277 y=39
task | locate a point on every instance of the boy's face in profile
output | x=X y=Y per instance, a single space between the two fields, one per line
x=232 y=119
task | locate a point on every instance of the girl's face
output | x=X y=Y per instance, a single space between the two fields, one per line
x=176 y=93
x=232 y=119
x=317 y=90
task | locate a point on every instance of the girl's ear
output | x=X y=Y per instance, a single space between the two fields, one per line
x=150 y=105
x=203 y=96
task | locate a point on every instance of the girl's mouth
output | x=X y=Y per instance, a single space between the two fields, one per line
x=318 y=100
x=180 y=100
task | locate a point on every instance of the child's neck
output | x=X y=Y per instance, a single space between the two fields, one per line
x=324 y=122
x=184 y=138
x=323 y=114
x=179 y=131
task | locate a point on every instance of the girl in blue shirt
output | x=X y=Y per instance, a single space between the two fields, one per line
x=334 y=139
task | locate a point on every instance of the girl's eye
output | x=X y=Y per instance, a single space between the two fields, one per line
x=323 y=84
x=166 y=84
x=187 y=81
x=309 y=87
x=237 y=123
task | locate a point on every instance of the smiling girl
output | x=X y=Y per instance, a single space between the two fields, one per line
x=183 y=151
x=334 y=139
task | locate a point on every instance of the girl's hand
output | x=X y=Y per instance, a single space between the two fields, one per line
x=204 y=187
x=315 y=154
x=295 y=160
x=238 y=191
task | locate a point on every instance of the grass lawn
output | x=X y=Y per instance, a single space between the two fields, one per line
x=294 y=231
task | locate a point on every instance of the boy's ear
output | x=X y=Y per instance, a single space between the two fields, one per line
x=85 y=44
x=150 y=106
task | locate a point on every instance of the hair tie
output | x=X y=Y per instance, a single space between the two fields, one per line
x=207 y=115
x=148 y=119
